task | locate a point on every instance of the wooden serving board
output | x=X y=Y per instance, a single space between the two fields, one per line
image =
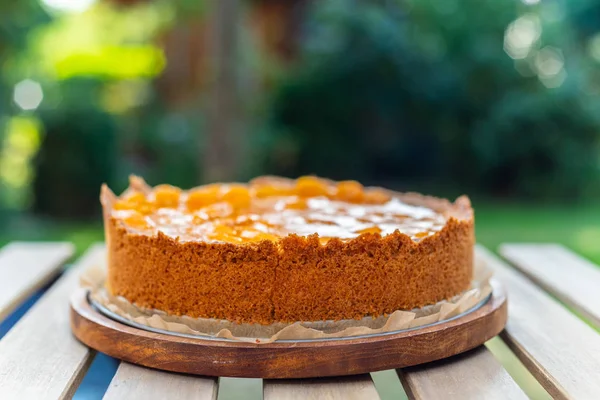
x=303 y=359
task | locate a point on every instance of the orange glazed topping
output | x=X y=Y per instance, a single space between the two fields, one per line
x=237 y=213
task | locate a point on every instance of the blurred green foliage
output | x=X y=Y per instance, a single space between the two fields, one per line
x=100 y=118
x=486 y=97
x=166 y=148
x=425 y=91
x=79 y=151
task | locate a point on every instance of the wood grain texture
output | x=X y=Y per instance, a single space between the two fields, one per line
x=287 y=360
x=560 y=350
x=472 y=375
x=135 y=382
x=572 y=279
x=358 y=387
x=26 y=267
x=39 y=358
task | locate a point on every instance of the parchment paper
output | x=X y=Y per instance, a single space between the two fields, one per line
x=94 y=277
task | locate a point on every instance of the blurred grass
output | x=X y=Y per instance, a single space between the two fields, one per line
x=575 y=226
x=81 y=234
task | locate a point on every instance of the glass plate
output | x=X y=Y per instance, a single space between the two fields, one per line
x=109 y=314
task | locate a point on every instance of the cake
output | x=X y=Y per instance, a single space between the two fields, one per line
x=282 y=250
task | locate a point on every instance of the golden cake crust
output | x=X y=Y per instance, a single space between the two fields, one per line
x=294 y=278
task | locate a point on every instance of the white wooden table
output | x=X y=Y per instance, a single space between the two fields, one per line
x=40 y=359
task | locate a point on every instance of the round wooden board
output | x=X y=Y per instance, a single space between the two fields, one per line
x=288 y=360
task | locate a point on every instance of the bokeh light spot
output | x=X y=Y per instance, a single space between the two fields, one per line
x=22 y=139
x=554 y=81
x=28 y=94
x=549 y=61
x=521 y=35
x=72 y=6
x=594 y=47
x=549 y=66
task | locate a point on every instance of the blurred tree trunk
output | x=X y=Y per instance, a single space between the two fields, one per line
x=221 y=152
x=277 y=24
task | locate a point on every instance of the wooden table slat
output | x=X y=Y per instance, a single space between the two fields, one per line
x=134 y=382
x=560 y=350
x=26 y=267
x=357 y=387
x=472 y=375
x=39 y=357
x=569 y=277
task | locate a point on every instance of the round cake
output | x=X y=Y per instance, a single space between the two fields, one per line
x=281 y=250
